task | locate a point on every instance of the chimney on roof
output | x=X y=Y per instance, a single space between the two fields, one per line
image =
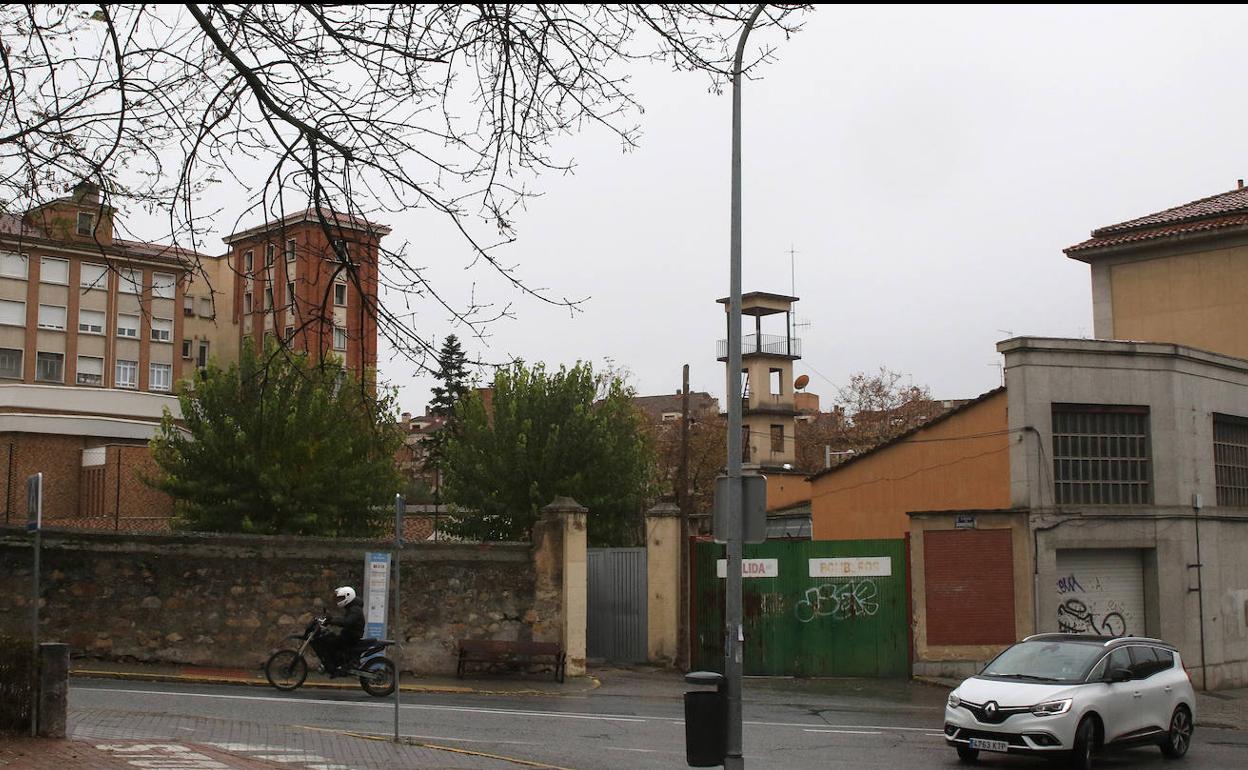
x=1241 y=184
x=87 y=192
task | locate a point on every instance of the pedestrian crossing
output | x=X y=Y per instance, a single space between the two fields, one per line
x=295 y=757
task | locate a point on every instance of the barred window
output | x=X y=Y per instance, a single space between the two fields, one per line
x=1101 y=455
x=1230 y=459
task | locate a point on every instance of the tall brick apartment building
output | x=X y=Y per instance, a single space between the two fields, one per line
x=96 y=333
x=314 y=293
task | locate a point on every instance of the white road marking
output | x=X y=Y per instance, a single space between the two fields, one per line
x=153 y=756
x=473 y=740
x=290 y=758
x=846 y=732
x=488 y=711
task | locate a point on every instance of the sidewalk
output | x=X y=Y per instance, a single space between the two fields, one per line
x=44 y=754
x=480 y=684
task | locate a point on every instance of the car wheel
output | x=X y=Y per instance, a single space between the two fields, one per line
x=1085 y=743
x=967 y=754
x=1179 y=739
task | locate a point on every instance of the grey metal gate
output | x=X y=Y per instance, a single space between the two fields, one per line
x=616 y=623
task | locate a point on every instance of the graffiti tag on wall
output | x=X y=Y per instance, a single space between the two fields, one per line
x=1091 y=609
x=843 y=600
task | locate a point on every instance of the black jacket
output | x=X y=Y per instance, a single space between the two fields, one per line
x=352 y=621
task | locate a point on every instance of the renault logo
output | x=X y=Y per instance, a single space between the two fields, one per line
x=990 y=709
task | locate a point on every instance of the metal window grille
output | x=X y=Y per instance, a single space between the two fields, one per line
x=1101 y=455
x=1230 y=459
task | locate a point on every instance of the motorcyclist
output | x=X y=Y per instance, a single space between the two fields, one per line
x=335 y=649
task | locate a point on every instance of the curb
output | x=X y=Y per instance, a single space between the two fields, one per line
x=138 y=676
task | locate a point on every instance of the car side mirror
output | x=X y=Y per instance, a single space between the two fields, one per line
x=1119 y=675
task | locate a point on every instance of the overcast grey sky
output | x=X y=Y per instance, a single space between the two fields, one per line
x=928 y=164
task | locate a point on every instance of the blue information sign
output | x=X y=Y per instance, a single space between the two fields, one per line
x=376 y=591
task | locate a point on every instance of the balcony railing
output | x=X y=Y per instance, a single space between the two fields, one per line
x=772 y=344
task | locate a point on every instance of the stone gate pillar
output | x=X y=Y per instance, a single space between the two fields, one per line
x=562 y=574
x=662 y=583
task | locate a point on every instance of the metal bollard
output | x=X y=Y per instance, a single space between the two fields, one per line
x=706 y=720
x=53 y=696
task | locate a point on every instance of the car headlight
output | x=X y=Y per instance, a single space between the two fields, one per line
x=1051 y=708
x=954 y=700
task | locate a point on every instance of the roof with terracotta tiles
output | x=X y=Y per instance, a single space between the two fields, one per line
x=1226 y=211
x=334 y=218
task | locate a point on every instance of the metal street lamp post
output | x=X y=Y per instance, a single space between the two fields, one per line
x=734 y=636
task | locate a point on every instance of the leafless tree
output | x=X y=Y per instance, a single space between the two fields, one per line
x=870 y=409
x=367 y=110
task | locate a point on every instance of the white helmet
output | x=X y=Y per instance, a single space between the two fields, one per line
x=345 y=595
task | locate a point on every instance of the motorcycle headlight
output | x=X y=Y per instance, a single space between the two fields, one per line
x=1051 y=708
x=954 y=701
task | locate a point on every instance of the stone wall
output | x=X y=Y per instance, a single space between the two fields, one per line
x=228 y=600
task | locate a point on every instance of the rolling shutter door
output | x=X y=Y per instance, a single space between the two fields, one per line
x=1101 y=591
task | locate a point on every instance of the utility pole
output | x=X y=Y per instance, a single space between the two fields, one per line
x=682 y=500
x=734 y=633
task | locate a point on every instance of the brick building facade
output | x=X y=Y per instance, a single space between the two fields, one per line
x=95 y=328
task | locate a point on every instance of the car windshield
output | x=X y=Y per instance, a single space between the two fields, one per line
x=1044 y=661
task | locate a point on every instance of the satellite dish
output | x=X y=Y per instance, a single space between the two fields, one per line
x=801 y=382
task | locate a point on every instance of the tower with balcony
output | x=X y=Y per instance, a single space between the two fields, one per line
x=767 y=402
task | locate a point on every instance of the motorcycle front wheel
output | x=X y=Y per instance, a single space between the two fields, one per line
x=380 y=680
x=286 y=670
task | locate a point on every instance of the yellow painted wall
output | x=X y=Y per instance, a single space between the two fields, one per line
x=785 y=490
x=961 y=462
x=1198 y=299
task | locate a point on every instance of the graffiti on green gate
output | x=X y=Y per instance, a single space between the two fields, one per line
x=840 y=601
x=822 y=608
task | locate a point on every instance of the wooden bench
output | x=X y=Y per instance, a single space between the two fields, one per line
x=499 y=654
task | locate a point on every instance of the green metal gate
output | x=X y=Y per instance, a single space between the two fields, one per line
x=832 y=608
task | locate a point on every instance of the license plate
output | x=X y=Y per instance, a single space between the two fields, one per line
x=986 y=745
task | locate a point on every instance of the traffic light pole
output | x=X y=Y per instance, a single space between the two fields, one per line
x=734 y=637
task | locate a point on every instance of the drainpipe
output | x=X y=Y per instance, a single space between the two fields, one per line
x=117 y=495
x=8 y=487
x=1197 y=504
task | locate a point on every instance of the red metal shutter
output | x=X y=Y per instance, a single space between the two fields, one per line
x=969 y=580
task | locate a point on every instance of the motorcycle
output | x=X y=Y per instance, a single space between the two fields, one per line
x=287 y=669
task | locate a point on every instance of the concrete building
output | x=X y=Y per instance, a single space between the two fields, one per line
x=1178 y=275
x=768 y=406
x=81 y=307
x=93 y=328
x=1103 y=490
x=957 y=460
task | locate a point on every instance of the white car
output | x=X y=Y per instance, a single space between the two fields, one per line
x=1072 y=695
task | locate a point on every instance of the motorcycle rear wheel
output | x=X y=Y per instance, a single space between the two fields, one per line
x=381 y=678
x=286 y=670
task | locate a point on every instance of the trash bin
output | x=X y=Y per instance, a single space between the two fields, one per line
x=706 y=720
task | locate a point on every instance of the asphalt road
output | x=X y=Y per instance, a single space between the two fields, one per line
x=785 y=727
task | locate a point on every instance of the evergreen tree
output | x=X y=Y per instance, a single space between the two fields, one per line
x=277 y=444
x=570 y=432
x=452 y=376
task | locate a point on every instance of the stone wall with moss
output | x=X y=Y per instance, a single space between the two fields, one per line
x=228 y=600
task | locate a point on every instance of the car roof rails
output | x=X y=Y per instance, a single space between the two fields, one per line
x=1143 y=639
x=1055 y=636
